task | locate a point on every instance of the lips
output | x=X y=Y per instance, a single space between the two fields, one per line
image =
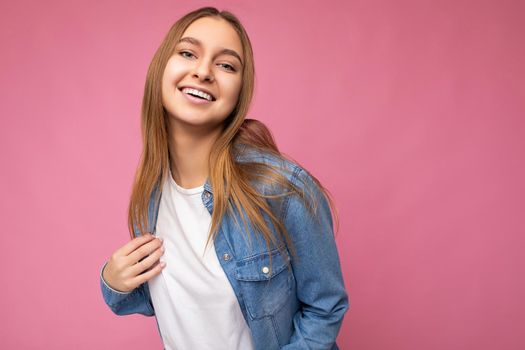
x=198 y=88
x=196 y=100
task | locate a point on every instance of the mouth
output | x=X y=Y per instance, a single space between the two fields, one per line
x=196 y=93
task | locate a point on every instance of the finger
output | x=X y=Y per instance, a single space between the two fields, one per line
x=154 y=271
x=144 y=250
x=135 y=243
x=147 y=262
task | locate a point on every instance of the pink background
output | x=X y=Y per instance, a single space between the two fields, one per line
x=410 y=112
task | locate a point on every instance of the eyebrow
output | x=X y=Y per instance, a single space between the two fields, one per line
x=224 y=51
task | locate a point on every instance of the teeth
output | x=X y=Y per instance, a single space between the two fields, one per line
x=197 y=93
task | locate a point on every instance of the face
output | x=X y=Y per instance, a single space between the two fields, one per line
x=202 y=79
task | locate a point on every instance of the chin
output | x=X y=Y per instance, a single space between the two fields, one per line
x=196 y=121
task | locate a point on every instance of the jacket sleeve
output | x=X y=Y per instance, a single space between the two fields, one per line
x=317 y=271
x=137 y=301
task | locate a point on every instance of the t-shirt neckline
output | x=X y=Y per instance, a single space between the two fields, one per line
x=188 y=191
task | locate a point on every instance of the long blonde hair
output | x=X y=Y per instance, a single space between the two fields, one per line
x=230 y=180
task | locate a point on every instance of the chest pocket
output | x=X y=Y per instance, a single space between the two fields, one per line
x=265 y=288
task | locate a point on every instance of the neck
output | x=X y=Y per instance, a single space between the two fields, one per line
x=189 y=148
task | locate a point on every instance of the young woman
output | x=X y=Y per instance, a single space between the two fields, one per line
x=232 y=243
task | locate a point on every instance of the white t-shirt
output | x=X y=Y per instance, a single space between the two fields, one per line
x=194 y=302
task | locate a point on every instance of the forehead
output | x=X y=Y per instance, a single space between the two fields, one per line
x=214 y=32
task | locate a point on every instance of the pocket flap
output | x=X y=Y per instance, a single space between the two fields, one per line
x=258 y=268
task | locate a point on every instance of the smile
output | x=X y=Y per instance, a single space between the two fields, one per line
x=196 y=100
x=199 y=94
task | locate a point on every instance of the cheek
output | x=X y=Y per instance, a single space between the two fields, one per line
x=166 y=86
x=171 y=72
x=234 y=89
x=170 y=79
x=166 y=80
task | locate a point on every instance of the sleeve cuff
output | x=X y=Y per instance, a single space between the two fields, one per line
x=107 y=286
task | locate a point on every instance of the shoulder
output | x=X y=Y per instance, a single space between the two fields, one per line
x=249 y=155
x=284 y=165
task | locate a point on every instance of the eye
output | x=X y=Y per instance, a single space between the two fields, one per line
x=188 y=54
x=183 y=54
x=228 y=66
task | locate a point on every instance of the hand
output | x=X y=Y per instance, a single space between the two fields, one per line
x=130 y=266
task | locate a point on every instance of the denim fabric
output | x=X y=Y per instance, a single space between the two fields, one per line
x=298 y=308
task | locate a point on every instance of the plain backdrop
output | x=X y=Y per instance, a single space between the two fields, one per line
x=410 y=112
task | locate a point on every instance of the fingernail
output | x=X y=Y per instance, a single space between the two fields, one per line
x=161 y=239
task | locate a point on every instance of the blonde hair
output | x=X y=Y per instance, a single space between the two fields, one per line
x=229 y=179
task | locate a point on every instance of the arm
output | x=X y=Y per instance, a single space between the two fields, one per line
x=320 y=285
x=125 y=303
x=141 y=249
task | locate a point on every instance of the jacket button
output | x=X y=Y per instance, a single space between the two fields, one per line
x=265 y=269
x=206 y=195
x=226 y=256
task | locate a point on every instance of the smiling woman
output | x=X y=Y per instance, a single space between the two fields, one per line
x=204 y=170
x=206 y=64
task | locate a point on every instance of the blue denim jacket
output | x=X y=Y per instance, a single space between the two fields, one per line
x=299 y=308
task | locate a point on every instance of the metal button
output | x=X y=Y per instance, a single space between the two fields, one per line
x=226 y=256
x=206 y=195
x=265 y=269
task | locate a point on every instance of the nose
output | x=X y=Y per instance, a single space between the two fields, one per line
x=203 y=72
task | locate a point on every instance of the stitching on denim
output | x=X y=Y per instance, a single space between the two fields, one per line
x=278 y=334
x=286 y=205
